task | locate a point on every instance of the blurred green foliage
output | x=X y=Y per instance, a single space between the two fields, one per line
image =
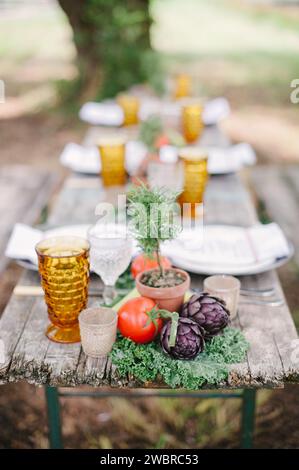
x=112 y=39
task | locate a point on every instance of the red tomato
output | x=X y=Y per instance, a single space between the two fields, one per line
x=143 y=263
x=161 y=140
x=132 y=320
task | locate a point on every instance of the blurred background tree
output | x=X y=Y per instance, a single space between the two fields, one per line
x=112 y=40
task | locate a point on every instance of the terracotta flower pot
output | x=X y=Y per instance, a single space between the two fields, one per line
x=169 y=298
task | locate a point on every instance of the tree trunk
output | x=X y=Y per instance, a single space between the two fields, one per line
x=88 y=57
x=104 y=40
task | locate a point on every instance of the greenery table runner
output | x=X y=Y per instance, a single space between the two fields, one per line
x=147 y=362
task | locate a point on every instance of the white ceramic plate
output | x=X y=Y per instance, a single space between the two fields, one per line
x=209 y=270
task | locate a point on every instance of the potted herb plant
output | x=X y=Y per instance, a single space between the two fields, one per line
x=155 y=218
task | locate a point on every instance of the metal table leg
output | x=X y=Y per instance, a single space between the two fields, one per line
x=248 y=418
x=54 y=421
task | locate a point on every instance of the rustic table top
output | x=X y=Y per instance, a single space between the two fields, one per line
x=271 y=360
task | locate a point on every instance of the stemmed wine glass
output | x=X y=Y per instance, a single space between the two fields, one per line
x=110 y=255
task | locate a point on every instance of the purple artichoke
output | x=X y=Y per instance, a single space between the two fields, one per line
x=189 y=339
x=208 y=312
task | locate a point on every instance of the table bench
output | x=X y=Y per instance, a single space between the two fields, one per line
x=32 y=357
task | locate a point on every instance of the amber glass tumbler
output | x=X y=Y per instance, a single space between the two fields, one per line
x=112 y=153
x=63 y=263
x=195 y=170
x=130 y=106
x=192 y=123
x=182 y=86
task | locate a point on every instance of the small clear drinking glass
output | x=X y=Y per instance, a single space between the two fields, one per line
x=226 y=288
x=110 y=255
x=98 y=328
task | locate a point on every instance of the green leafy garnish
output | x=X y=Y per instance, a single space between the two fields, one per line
x=147 y=362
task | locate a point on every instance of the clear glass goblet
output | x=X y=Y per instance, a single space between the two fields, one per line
x=110 y=255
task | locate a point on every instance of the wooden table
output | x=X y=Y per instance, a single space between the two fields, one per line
x=270 y=362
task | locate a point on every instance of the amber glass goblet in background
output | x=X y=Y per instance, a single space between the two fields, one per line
x=112 y=153
x=63 y=264
x=192 y=123
x=182 y=86
x=195 y=171
x=130 y=105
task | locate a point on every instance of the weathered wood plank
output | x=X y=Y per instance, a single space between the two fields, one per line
x=77 y=202
x=263 y=357
x=274 y=186
x=228 y=202
x=285 y=334
x=12 y=325
x=32 y=347
x=213 y=137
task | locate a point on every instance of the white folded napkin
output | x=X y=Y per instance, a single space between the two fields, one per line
x=215 y=111
x=229 y=246
x=87 y=160
x=231 y=159
x=245 y=153
x=81 y=159
x=21 y=244
x=105 y=113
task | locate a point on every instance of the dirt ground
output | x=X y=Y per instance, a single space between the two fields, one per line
x=99 y=423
